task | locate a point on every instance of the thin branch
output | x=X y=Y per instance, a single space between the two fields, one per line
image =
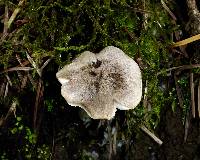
x=184 y=67
x=5 y=29
x=168 y=10
x=16 y=69
x=114 y=147
x=199 y=99
x=145 y=101
x=150 y=134
x=14 y=14
x=192 y=94
x=186 y=41
x=34 y=64
x=6 y=90
x=12 y=109
x=187 y=124
x=29 y=76
x=45 y=64
x=145 y=15
x=2 y=90
x=141 y=10
x=40 y=89
x=9 y=81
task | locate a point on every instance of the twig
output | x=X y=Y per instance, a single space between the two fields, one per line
x=145 y=95
x=9 y=81
x=29 y=76
x=34 y=64
x=8 y=22
x=141 y=10
x=45 y=64
x=14 y=14
x=114 y=143
x=17 y=69
x=12 y=34
x=187 y=124
x=3 y=86
x=177 y=51
x=146 y=15
x=5 y=29
x=37 y=101
x=6 y=90
x=176 y=33
x=192 y=94
x=12 y=109
x=131 y=34
x=199 y=99
x=153 y=136
x=186 y=41
x=184 y=67
x=168 y=10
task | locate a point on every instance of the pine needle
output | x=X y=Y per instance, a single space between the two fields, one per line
x=186 y=41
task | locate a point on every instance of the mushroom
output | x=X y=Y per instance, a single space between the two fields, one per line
x=101 y=83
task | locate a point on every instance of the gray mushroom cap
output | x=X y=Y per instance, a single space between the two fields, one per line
x=101 y=83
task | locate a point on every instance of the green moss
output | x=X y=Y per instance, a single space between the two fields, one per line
x=63 y=29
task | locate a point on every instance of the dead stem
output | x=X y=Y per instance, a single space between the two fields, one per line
x=3 y=86
x=180 y=68
x=14 y=14
x=16 y=69
x=168 y=10
x=192 y=94
x=186 y=41
x=6 y=90
x=176 y=33
x=150 y=134
x=9 y=81
x=5 y=29
x=34 y=64
x=145 y=15
x=8 y=21
x=187 y=124
x=199 y=99
x=29 y=76
x=12 y=109
x=37 y=101
x=45 y=64
x=145 y=100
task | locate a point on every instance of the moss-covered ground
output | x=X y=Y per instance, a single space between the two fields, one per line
x=38 y=37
